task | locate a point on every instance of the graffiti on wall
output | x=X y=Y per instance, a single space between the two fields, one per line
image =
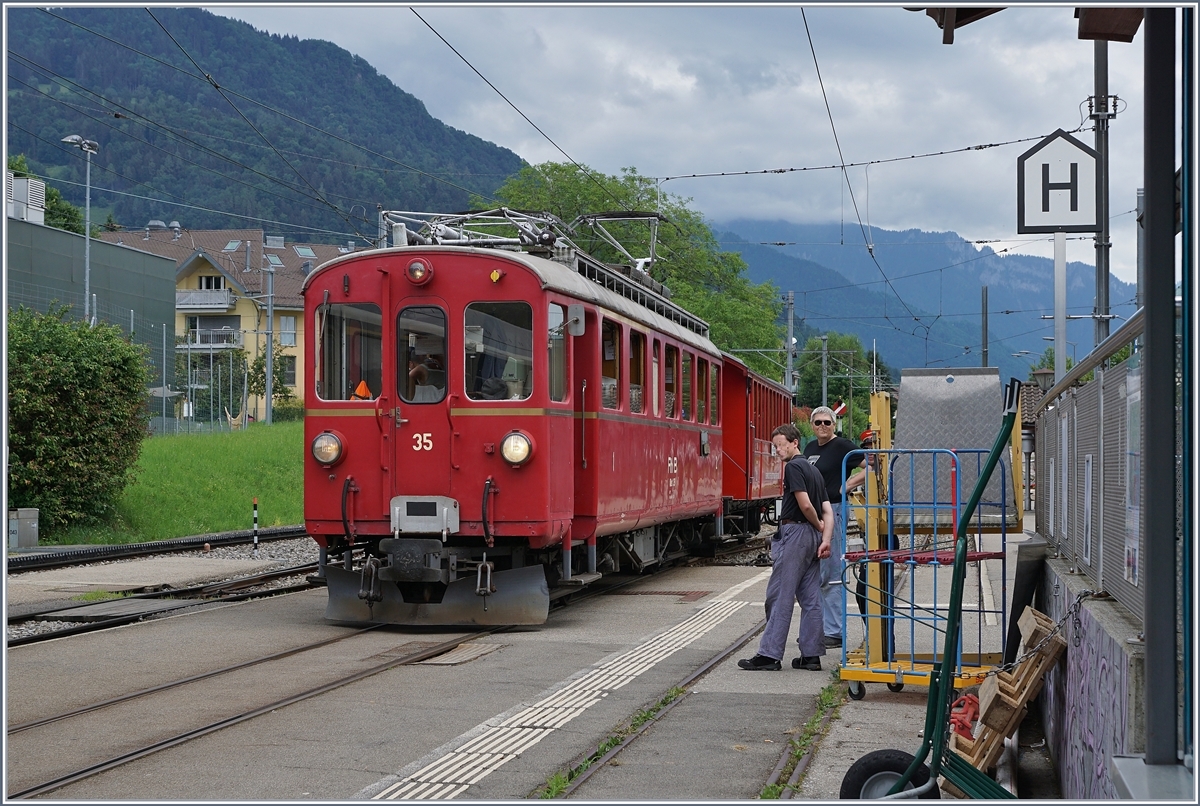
x=1084 y=705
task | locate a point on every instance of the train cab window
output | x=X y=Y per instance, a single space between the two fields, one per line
x=637 y=372
x=349 y=362
x=654 y=374
x=610 y=365
x=685 y=406
x=421 y=354
x=671 y=380
x=713 y=409
x=556 y=319
x=498 y=350
x=701 y=390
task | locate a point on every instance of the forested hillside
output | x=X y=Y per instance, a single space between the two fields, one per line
x=299 y=131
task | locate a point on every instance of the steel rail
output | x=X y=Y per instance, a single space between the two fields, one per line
x=87 y=709
x=118 y=621
x=124 y=758
x=578 y=780
x=82 y=554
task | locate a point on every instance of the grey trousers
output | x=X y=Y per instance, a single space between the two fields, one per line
x=795 y=577
x=834 y=614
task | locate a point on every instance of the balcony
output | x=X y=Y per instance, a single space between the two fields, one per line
x=222 y=339
x=195 y=299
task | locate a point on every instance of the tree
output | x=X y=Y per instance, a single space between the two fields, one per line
x=216 y=381
x=77 y=416
x=280 y=391
x=1046 y=361
x=848 y=379
x=704 y=280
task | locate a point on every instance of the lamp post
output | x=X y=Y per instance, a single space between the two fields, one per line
x=1044 y=378
x=88 y=147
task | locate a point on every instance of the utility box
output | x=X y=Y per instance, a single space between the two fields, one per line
x=22 y=528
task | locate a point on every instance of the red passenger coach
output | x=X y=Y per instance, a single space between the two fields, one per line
x=751 y=473
x=496 y=414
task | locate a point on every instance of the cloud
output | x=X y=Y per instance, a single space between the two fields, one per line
x=683 y=90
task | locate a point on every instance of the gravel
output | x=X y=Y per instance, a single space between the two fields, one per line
x=280 y=553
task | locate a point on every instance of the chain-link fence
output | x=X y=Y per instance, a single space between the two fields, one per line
x=157 y=339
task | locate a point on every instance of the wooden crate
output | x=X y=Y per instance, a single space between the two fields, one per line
x=1004 y=697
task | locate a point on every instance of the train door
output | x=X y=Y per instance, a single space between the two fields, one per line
x=420 y=421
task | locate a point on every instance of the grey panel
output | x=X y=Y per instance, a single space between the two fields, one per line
x=957 y=410
x=1116 y=445
x=1087 y=442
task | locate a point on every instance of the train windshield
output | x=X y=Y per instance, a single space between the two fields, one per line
x=498 y=350
x=421 y=355
x=350 y=360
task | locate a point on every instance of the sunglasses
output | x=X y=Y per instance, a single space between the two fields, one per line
x=822 y=422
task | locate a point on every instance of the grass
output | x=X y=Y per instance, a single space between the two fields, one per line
x=194 y=484
x=559 y=781
x=829 y=698
x=98 y=596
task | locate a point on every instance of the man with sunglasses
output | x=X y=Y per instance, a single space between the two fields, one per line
x=826 y=452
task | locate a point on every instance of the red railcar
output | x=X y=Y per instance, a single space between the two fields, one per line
x=493 y=416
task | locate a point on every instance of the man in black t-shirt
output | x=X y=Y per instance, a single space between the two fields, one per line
x=826 y=452
x=805 y=530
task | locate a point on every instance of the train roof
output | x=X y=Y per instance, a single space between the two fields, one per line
x=587 y=280
x=735 y=361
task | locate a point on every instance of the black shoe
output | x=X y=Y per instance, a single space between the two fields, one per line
x=812 y=664
x=760 y=663
x=833 y=641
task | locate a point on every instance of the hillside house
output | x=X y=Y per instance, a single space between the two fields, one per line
x=221 y=282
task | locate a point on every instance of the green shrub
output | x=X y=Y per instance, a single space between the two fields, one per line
x=76 y=416
x=288 y=411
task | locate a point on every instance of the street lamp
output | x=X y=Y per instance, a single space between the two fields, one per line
x=88 y=147
x=1073 y=359
x=1044 y=378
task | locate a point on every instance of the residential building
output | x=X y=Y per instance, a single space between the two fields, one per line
x=221 y=284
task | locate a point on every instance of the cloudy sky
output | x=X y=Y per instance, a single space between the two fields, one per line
x=684 y=90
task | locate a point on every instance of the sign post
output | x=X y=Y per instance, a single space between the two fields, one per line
x=1058 y=192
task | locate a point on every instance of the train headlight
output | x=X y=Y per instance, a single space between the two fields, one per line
x=327 y=448
x=516 y=448
x=419 y=272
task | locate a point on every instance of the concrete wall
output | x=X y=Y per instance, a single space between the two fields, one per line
x=1092 y=702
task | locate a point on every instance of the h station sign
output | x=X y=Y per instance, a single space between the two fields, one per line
x=1057 y=187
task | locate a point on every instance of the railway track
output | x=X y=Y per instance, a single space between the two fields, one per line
x=413 y=657
x=84 y=554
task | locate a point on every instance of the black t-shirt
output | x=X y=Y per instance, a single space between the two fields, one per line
x=828 y=458
x=800 y=476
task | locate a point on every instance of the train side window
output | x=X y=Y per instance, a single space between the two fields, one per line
x=637 y=372
x=349 y=363
x=701 y=390
x=421 y=354
x=654 y=380
x=498 y=350
x=685 y=406
x=671 y=379
x=610 y=365
x=556 y=316
x=714 y=408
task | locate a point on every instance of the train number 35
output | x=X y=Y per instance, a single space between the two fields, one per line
x=423 y=442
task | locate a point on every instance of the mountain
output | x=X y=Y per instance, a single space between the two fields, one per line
x=938 y=275
x=301 y=131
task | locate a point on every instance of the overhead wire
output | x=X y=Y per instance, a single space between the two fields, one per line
x=846 y=176
x=549 y=139
x=267 y=107
x=254 y=128
x=131 y=115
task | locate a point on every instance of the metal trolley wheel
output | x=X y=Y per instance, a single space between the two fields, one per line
x=858 y=690
x=873 y=775
x=896 y=687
